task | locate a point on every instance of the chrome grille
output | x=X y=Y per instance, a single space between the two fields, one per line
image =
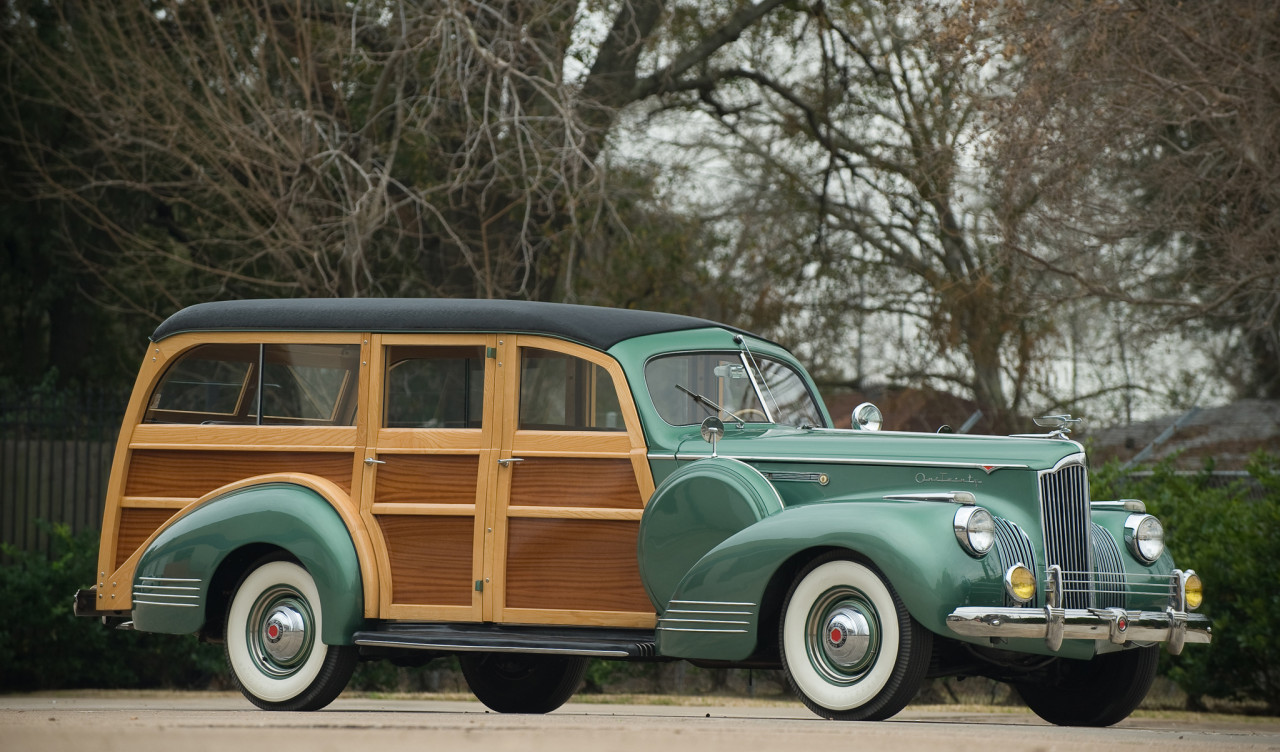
x=1013 y=547
x=1064 y=513
x=1108 y=578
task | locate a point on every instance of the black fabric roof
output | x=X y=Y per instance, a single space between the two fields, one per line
x=601 y=328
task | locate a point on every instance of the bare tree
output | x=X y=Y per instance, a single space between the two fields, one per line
x=1145 y=141
x=857 y=129
x=257 y=147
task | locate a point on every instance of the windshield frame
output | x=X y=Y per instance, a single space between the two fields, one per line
x=760 y=387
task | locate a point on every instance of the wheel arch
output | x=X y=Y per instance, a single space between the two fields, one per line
x=912 y=545
x=188 y=568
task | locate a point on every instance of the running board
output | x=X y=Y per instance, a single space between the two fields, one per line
x=493 y=638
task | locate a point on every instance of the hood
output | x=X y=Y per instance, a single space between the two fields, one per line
x=884 y=447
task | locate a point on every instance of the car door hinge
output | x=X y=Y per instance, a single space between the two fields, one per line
x=491 y=352
x=479 y=586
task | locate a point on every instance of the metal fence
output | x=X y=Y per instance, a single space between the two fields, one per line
x=55 y=460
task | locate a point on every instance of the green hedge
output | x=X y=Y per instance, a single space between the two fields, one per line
x=1230 y=535
x=44 y=646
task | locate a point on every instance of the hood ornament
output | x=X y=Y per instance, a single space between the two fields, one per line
x=1061 y=425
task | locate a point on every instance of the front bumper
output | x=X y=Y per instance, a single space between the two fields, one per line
x=1053 y=625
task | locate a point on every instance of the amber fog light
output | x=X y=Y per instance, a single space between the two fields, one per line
x=1020 y=583
x=1193 y=590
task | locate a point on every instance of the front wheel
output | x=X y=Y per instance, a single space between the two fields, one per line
x=522 y=682
x=273 y=641
x=1098 y=692
x=850 y=648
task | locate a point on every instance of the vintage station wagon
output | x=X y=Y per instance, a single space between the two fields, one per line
x=530 y=485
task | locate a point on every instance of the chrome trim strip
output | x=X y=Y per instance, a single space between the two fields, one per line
x=714 y=603
x=137 y=602
x=963 y=498
x=710 y=631
x=713 y=613
x=168 y=579
x=454 y=648
x=845 y=461
x=157 y=588
x=665 y=620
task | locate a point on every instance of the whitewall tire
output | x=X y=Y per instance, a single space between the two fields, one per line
x=850 y=648
x=273 y=641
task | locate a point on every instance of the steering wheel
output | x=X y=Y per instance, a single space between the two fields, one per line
x=751 y=412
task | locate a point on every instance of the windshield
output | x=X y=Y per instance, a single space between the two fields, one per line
x=688 y=387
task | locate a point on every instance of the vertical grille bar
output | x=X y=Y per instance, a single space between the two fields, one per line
x=1064 y=513
x=1014 y=547
x=1109 y=579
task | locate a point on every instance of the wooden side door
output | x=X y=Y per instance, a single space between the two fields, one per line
x=572 y=481
x=430 y=472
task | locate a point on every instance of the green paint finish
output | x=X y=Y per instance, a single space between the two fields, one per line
x=911 y=543
x=293 y=518
x=694 y=510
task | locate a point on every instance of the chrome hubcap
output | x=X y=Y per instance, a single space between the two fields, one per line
x=284 y=634
x=280 y=631
x=848 y=637
x=843 y=636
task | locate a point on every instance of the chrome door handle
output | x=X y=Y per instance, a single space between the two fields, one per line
x=507 y=462
x=371 y=461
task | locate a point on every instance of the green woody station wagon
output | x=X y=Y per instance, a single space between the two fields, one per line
x=527 y=486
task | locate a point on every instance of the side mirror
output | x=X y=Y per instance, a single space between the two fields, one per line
x=712 y=430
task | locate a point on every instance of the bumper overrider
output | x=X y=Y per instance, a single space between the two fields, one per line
x=1174 y=626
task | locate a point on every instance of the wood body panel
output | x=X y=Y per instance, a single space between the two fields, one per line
x=427 y=479
x=609 y=483
x=191 y=474
x=429 y=559
x=136 y=525
x=573 y=565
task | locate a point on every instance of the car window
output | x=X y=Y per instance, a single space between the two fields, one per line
x=559 y=392
x=218 y=383
x=733 y=382
x=434 y=387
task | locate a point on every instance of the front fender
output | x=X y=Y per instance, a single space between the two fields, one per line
x=171 y=582
x=695 y=509
x=911 y=543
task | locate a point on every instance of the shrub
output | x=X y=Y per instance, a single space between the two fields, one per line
x=44 y=646
x=1233 y=543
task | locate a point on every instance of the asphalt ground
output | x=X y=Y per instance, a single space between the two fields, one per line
x=189 y=722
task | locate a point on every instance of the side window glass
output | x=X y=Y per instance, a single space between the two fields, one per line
x=559 y=392
x=209 y=383
x=218 y=384
x=309 y=384
x=434 y=387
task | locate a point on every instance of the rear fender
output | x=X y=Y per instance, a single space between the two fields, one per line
x=172 y=579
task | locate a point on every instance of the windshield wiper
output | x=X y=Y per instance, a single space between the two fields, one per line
x=708 y=403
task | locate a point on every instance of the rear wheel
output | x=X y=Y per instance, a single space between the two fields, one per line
x=273 y=641
x=850 y=648
x=522 y=682
x=1099 y=692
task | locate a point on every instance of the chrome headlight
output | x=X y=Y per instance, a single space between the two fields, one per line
x=1144 y=535
x=975 y=529
x=867 y=417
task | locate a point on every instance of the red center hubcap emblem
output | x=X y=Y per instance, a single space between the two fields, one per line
x=836 y=634
x=273 y=631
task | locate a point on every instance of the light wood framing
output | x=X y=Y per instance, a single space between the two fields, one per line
x=456 y=524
